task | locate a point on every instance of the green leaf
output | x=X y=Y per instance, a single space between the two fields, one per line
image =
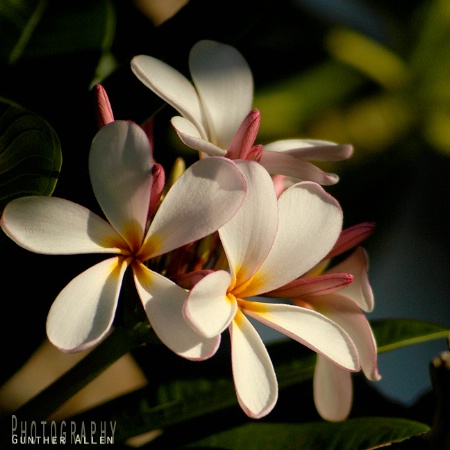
x=395 y=333
x=19 y=19
x=30 y=154
x=361 y=433
x=289 y=105
x=190 y=391
x=37 y=28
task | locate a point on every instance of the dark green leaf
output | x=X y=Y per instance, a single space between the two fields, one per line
x=30 y=154
x=18 y=19
x=353 y=434
x=39 y=28
x=395 y=333
x=182 y=395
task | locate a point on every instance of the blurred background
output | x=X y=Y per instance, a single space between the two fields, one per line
x=373 y=73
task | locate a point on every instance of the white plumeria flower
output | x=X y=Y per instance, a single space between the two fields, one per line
x=216 y=116
x=344 y=302
x=268 y=244
x=205 y=197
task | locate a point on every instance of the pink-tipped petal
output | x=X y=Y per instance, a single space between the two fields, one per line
x=253 y=373
x=333 y=390
x=311 y=286
x=172 y=86
x=248 y=237
x=308 y=327
x=255 y=153
x=158 y=181
x=360 y=290
x=83 y=312
x=103 y=107
x=351 y=237
x=310 y=221
x=191 y=137
x=204 y=198
x=208 y=309
x=292 y=166
x=224 y=84
x=55 y=226
x=163 y=302
x=120 y=166
x=243 y=141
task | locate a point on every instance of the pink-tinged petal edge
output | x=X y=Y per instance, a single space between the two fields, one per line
x=278 y=163
x=163 y=302
x=208 y=308
x=120 y=167
x=308 y=327
x=83 y=312
x=344 y=312
x=56 y=226
x=213 y=188
x=360 y=290
x=253 y=373
x=310 y=221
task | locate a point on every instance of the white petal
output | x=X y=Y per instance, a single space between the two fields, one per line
x=83 y=312
x=248 y=237
x=360 y=290
x=208 y=308
x=253 y=373
x=203 y=198
x=308 y=327
x=120 y=166
x=191 y=137
x=333 y=390
x=172 y=86
x=163 y=302
x=54 y=226
x=352 y=319
x=312 y=149
x=309 y=225
x=224 y=83
x=278 y=163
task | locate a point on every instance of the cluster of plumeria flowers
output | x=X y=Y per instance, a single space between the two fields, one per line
x=245 y=233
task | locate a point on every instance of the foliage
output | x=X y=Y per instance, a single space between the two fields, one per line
x=358 y=91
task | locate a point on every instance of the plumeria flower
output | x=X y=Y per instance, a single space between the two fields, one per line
x=216 y=116
x=269 y=243
x=204 y=198
x=343 y=294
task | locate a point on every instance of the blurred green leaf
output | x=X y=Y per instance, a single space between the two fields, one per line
x=288 y=105
x=432 y=27
x=395 y=333
x=366 y=55
x=30 y=154
x=360 y=433
x=37 y=28
x=18 y=21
